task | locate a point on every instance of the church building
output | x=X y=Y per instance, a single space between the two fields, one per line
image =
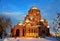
x=32 y=26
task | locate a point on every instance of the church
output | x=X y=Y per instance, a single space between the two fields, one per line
x=33 y=25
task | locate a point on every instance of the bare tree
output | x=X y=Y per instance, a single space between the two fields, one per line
x=56 y=24
x=4 y=24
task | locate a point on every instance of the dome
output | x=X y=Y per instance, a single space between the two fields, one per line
x=27 y=20
x=34 y=7
x=20 y=24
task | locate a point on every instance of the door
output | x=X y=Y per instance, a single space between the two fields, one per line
x=17 y=32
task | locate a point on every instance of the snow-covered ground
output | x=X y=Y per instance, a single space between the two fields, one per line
x=30 y=39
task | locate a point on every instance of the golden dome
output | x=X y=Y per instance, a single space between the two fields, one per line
x=34 y=7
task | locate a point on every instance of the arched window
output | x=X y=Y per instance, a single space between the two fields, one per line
x=29 y=30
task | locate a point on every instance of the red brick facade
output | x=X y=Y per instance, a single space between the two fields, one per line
x=31 y=27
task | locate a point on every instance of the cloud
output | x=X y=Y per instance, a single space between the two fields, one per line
x=16 y=15
x=12 y=13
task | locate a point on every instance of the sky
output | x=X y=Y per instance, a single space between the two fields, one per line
x=17 y=9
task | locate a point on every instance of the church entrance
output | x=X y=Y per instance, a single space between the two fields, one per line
x=17 y=32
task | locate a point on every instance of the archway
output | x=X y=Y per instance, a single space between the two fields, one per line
x=17 y=32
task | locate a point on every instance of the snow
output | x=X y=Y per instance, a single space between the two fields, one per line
x=30 y=39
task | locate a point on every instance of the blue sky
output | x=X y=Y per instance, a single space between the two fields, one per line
x=17 y=9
